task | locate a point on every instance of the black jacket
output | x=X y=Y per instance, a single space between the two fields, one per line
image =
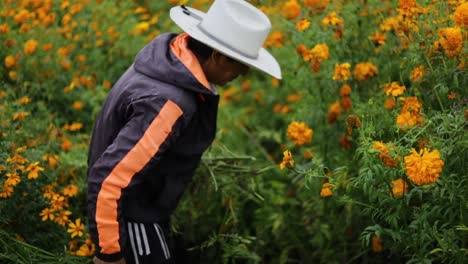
x=148 y=139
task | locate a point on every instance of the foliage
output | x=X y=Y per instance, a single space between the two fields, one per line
x=368 y=88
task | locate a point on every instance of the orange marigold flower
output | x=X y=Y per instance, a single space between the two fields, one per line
x=294 y=97
x=47 y=213
x=352 y=121
x=51 y=159
x=288 y=161
x=71 y=190
x=62 y=217
x=344 y=142
x=364 y=71
x=452 y=95
x=299 y=133
x=460 y=16
x=394 y=89
x=308 y=154
x=408 y=120
x=423 y=167
x=13 y=76
x=411 y=104
x=390 y=103
x=379 y=39
x=342 y=72
x=326 y=190
x=10 y=61
x=399 y=187
x=376 y=244
x=332 y=19
x=334 y=111
x=34 y=170
x=20 y=116
x=346 y=103
x=384 y=153
x=13 y=179
x=275 y=39
x=345 y=90
x=30 y=46
x=24 y=100
x=66 y=144
x=4 y=29
x=302 y=50
x=317 y=4
x=291 y=9
x=85 y=250
x=76 y=229
x=320 y=52
x=78 y=105
x=451 y=40
x=417 y=73
x=302 y=24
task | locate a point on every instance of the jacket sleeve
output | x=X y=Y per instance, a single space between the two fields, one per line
x=152 y=126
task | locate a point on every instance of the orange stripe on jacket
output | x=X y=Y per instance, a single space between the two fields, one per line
x=122 y=174
x=180 y=48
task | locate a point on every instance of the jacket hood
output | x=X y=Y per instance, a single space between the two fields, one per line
x=157 y=61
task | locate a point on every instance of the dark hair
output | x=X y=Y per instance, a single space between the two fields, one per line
x=202 y=51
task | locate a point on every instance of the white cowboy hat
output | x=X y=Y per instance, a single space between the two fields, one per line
x=233 y=27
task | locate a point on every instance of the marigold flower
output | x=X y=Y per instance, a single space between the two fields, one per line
x=342 y=72
x=308 y=154
x=141 y=28
x=34 y=170
x=364 y=71
x=77 y=105
x=76 y=229
x=62 y=217
x=384 y=153
x=394 y=89
x=460 y=16
x=344 y=142
x=30 y=46
x=399 y=187
x=4 y=29
x=345 y=90
x=13 y=76
x=320 y=52
x=332 y=19
x=376 y=244
x=20 y=116
x=423 y=167
x=334 y=111
x=71 y=190
x=24 y=100
x=452 y=95
x=390 y=103
x=417 y=73
x=7 y=191
x=302 y=24
x=294 y=97
x=10 y=61
x=451 y=40
x=299 y=133
x=326 y=191
x=408 y=120
x=13 y=179
x=288 y=161
x=379 y=39
x=352 y=121
x=275 y=39
x=51 y=160
x=291 y=9
x=47 y=213
x=85 y=251
x=346 y=103
x=66 y=144
x=317 y=4
x=411 y=104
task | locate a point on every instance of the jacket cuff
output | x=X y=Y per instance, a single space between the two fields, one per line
x=109 y=257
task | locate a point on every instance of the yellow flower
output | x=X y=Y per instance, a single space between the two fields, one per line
x=451 y=40
x=71 y=190
x=411 y=104
x=291 y=9
x=76 y=229
x=318 y=4
x=399 y=187
x=302 y=24
x=141 y=28
x=13 y=76
x=332 y=19
x=7 y=191
x=394 y=89
x=13 y=179
x=423 y=167
x=85 y=251
x=24 y=100
x=4 y=29
x=10 y=61
x=378 y=38
x=62 y=217
x=30 y=46
x=417 y=73
x=342 y=72
x=364 y=71
x=34 y=170
x=77 y=105
x=461 y=15
x=326 y=191
x=47 y=214
x=390 y=103
x=320 y=52
x=288 y=160
x=294 y=97
x=299 y=133
x=51 y=159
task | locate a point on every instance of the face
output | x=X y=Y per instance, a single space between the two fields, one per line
x=221 y=69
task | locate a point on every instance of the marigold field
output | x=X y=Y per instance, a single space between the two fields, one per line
x=358 y=155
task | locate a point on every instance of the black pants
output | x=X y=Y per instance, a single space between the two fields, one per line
x=148 y=243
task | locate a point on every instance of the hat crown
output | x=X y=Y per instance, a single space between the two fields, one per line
x=237 y=25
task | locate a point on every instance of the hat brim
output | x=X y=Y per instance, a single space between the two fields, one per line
x=188 y=22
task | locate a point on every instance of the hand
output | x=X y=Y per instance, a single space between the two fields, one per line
x=98 y=261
